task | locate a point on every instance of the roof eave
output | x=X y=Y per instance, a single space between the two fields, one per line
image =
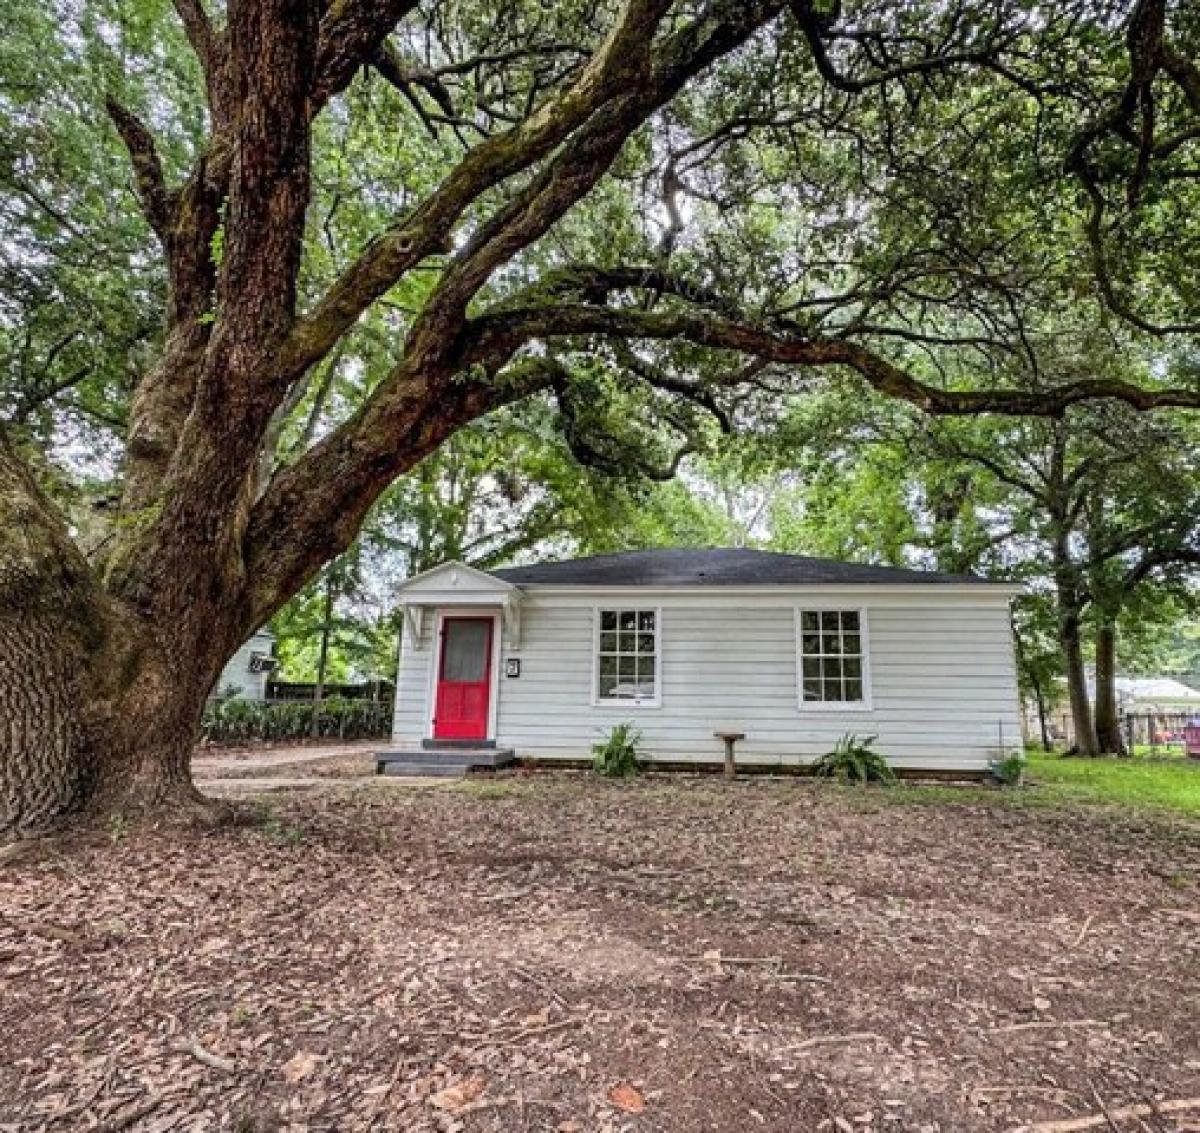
x=980 y=586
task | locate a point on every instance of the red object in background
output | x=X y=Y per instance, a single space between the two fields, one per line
x=1191 y=738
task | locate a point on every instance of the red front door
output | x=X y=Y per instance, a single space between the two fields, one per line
x=464 y=680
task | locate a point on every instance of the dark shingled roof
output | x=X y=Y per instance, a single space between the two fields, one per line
x=734 y=566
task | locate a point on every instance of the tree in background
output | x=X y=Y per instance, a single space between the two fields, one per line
x=1039 y=657
x=494 y=493
x=1173 y=649
x=333 y=631
x=1098 y=512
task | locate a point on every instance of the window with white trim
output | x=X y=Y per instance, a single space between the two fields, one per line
x=627 y=656
x=833 y=657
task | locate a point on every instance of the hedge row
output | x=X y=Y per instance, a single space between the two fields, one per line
x=247 y=721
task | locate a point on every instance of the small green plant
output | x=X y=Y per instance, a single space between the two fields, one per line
x=241 y=1014
x=118 y=827
x=280 y=832
x=1009 y=770
x=854 y=760
x=617 y=756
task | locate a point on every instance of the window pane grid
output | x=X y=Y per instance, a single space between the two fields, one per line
x=831 y=656
x=627 y=654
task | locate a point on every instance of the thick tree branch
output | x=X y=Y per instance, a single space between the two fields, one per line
x=426 y=230
x=306 y=517
x=201 y=34
x=794 y=346
x=215 y=441
x=211 y=47
x=351 y=33
x=157 y=203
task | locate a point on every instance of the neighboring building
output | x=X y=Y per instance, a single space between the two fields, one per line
x=1153 y=696
x=794 y=652
x=246 y=673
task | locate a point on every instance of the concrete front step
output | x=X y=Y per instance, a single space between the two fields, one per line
x=423 y=770
x=458 y=745
x=441 y=763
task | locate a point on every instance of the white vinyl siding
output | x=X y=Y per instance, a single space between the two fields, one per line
x=243 y=674
x=410 y=721
x=942 y=691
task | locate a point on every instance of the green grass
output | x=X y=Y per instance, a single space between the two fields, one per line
x=1162 y=785
x=1158 y=751
x=1159 y=784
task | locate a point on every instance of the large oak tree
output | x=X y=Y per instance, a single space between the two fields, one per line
x=767 y=189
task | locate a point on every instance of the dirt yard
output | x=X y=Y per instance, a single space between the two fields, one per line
x=556 y=953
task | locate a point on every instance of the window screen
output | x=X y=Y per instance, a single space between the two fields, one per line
x=465 y=649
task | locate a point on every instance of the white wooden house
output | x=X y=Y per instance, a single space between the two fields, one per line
x=247 y=672
x=794 y=652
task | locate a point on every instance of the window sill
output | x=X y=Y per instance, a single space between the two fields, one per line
x=836 y=706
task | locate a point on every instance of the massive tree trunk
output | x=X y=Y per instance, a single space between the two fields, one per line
x=101 y=717
x=52 y=627
x=147 y=744
x=1108 y=721
x=82 y=743
x=98 y=715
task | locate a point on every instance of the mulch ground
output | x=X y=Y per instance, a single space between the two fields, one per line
x=556 y=953
x=346 y=766
x=269 y=753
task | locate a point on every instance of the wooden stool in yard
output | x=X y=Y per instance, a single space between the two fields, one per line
x=730 y=739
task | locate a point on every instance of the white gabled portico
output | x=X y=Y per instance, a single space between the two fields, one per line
x=472 y=614
x=456 y=584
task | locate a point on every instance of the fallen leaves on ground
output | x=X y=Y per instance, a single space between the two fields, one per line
x=626 y=1098
x=299 y=1066
x=460 y=1094
x=547 y=952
